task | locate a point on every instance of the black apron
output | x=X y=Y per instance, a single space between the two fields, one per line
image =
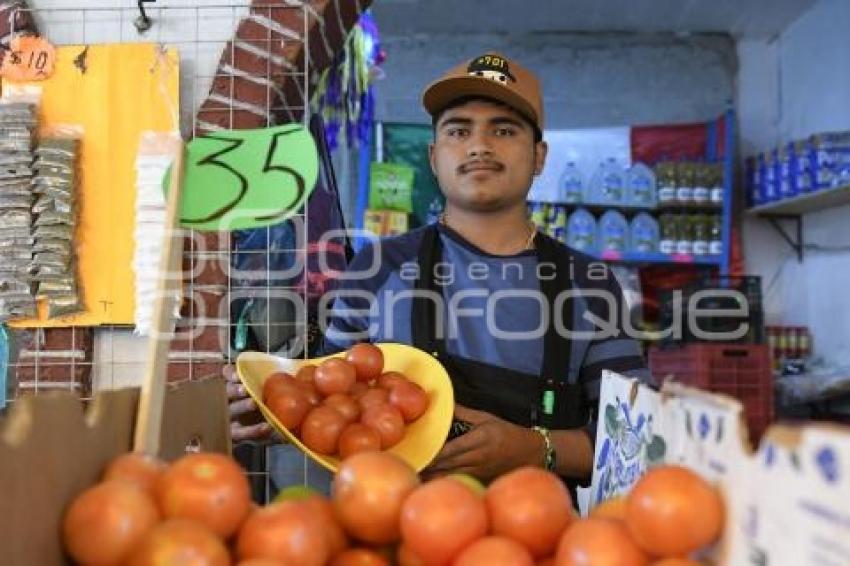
x=552 y=399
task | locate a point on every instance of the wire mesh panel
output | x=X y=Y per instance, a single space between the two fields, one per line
x=242 y=65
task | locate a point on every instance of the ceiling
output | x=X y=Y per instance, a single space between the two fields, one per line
x=756 y=19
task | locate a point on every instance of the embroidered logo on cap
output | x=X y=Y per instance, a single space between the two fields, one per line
x=490 y=67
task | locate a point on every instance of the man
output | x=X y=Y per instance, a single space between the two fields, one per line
x=512 y=314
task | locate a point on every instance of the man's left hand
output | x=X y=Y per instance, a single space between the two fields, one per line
x=490 y=448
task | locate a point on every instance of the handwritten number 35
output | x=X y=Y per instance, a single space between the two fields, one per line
x=244 y=185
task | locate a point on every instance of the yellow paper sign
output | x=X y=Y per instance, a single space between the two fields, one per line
x=30 y=58
x=112 y=93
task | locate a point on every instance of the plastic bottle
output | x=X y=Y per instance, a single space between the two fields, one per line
x=581 y=231
x=669 y=230
x=665 y=174
x=608 y=184
x=571 y=184
x=685 y=174
x=640 y=186
x=613 y=232
x=645 y=234
x=685 y=243
x=715 y=238
x=716 y=183
x=701 y=227
x=703 y=182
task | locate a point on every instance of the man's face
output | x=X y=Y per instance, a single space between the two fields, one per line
x=485 y=157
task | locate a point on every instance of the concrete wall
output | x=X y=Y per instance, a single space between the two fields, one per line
x=588 y=80
x=789 y=88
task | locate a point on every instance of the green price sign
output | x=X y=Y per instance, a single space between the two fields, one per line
x=240 y=179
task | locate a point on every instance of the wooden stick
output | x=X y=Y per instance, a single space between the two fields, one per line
x=149 y=418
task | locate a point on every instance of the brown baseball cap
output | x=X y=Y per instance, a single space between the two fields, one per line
x=493 y=76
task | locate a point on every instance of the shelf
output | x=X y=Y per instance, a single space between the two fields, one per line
x=660 y=258
x=809 y=202
x=598 y=209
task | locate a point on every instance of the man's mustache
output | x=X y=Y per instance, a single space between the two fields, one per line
x=480 y=165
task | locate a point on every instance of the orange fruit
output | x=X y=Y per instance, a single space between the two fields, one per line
x=360 y=557
x=672 y=511
x=494 y=551
x=676 y=562
x=105 y=522
x=208 y=488
x=598 y=542
x=179 y=541
x=290 y=531
x=135 y=467
x=442 y=517
x=368 y=493
x=531 y=506
x=614 y=508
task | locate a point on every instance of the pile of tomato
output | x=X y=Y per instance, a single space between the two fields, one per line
x=198 y=511
x=346 y=405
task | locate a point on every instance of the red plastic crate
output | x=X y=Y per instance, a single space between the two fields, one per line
x=742 y=371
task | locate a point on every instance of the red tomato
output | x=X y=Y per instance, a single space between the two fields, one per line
x=313 y=394
x=368 y=493
x=290 y=406
x=174 y=540
x=360 y=557
x=321 y=428
x=322 y=508
x=275 y=383
x=406 y=557
x=599 y=541
x=494 y=551
x=356 y=438
x=289 y=531
x=105 y=522
x=410 y=399
x=306 y=373
x=347 y=407
x=390 y=378
x=373 y=396
x=138 y=468
x=334 y=375
x=531 y=506
x=358 y=389
x=368 y=361
x=441 y=518
x=208 y=488
x=387 y=421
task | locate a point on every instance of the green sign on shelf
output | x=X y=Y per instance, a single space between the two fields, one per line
x=240 y=179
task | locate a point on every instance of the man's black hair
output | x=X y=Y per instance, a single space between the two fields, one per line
x=457 y=102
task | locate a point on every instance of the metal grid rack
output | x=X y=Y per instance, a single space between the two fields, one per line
x=69 y=358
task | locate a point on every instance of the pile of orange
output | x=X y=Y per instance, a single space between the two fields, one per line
x=346 y=405
x=198 y=511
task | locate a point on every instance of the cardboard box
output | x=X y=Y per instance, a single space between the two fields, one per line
x=51 y=449
x=787 y=504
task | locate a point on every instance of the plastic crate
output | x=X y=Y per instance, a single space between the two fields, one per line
x=742 y=371
x=748 y=285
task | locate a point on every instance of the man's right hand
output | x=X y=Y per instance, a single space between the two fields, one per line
x=242 y=406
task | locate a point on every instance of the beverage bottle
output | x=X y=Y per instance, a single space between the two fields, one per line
x=613 y=232
x=571 y=184
x=640 y=186
x=581 y=231
x=608 y=184
x=644 y=233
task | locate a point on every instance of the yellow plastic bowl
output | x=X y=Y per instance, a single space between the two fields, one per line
x=423 y=438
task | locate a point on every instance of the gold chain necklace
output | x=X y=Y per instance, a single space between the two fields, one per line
x=529 y=242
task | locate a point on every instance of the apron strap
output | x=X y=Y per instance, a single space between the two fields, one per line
x=423 y=312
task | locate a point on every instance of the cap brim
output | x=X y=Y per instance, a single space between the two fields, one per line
x=440 y=93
